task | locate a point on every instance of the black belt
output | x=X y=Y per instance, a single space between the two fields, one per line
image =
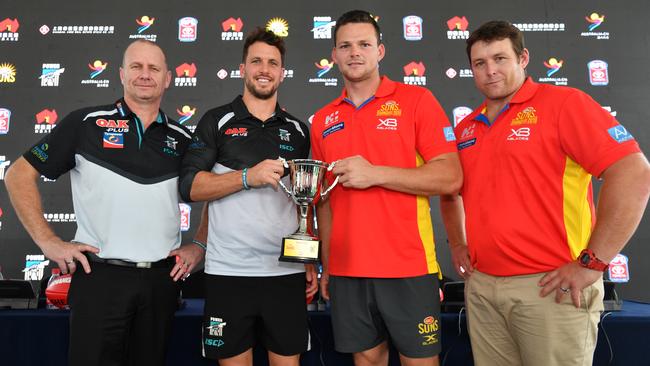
x=163 y=263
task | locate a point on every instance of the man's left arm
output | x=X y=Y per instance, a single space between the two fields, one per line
x=621 y=202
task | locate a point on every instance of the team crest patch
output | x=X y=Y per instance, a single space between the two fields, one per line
x=526 y=117
x=389 y=109
x=113 y=140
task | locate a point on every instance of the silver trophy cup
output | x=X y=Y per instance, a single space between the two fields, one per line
x=307 y=179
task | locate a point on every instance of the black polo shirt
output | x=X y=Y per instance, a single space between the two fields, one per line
x=124 y=178
x=246 y=228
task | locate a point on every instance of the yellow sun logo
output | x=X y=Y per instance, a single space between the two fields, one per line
x=278 y=26
x=7 y=73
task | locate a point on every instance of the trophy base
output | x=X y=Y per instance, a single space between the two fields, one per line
x=300 y=250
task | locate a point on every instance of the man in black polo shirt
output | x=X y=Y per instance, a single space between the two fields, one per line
x=123 y=160
x=233 y=163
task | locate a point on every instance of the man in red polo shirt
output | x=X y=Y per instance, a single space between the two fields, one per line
x=528 y=155
x=394 y=147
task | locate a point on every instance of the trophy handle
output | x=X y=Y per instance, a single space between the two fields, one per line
x=336 y=180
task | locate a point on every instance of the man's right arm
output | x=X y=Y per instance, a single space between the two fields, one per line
x=198 y=182
x=23 y=192
x=453 y=217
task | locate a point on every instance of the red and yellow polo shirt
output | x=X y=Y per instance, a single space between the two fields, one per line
x=378 y=232
x=527 y=177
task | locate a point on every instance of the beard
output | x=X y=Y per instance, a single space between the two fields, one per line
x=259 y=94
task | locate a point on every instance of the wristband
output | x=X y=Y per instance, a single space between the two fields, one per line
x=200 y=243
x=244 y=182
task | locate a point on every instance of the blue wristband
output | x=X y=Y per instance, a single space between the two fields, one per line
x=200 y=243
x=244 y=182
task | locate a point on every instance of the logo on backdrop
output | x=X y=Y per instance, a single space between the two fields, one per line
x=9 y=30
x=323 y=27
x=51 y=74
x=460 y=113
x=618 y=269
x=598 y=74
x=185 y=216
x=553 y=66
x=461 y=73
x=45 y=121
x=457 y=28
x=187 y=29
x=324 y=66
x=77 y=29
x=540 y=27
x=594 y=21
x=3 y=166
x=412 y=27
x=185 y=113
x=185 y=75
x=414 y=73
x=5 y=118
x=144 y=23
x=232 y=29
x=96 y=68
x=278 y=26
x=7 y=73
x=610 y=110
x=35 y=267
x=60 y=217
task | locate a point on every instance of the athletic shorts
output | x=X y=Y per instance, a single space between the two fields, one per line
x=242 y=311
x=369 y=311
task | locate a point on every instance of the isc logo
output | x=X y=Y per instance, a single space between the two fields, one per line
x=214 y=342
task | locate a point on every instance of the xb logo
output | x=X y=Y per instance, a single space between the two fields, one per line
x=387 y=124
x=519 y=134
x=430 y=338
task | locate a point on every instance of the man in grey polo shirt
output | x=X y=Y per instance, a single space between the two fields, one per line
x=233 y=163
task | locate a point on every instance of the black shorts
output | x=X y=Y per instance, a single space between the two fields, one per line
x=241 y=311
x=367 y=311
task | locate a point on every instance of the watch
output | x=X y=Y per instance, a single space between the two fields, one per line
x=588 y=259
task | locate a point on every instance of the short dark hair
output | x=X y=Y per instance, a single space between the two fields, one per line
x=497 y=30
x=260 y=34
x=357 y=16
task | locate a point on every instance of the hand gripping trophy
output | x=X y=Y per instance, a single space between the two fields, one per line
x=307 y=181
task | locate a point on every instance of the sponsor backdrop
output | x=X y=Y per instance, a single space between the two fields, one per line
x=54 y=59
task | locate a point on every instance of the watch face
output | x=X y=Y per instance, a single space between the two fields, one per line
x=584 y=259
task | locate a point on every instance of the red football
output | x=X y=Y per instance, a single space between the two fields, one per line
x=57 y=291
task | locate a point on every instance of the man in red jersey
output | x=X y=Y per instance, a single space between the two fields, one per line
x=528 y=154
x=394 y=147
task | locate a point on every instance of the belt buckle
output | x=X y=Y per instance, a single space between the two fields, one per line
x=143 y=265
